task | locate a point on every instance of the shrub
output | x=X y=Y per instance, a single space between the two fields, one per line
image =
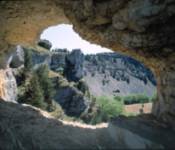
x=37 y=88
x=32 y=93
x=83 y=87
x=107 y=109
x=133 y=99
x=57 y=112
x=46 y=84
x=28 y=60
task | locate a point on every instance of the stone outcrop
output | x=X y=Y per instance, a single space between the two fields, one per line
x=39 y=58
x=73 y=101
x=143 y=29
x=45 y=44
x=74 y=65
x=8 y=86
x=58 y=60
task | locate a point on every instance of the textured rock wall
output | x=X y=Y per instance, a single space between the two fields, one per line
x=8 y=87
x=143 y=29
x=164 y=107
x=44 y=132
x=145 y=26
x=22 y=21
x=74 y=65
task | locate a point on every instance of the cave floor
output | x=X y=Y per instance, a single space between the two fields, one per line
x=23 y=127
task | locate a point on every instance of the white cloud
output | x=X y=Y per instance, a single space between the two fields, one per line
x=63 y=36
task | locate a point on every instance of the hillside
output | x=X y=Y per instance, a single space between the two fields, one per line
x=114 y=74
x=109 y=74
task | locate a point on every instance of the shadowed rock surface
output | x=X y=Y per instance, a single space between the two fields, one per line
x=143 y=29
x=74 y=65
x=25 y=128
x=73 y=101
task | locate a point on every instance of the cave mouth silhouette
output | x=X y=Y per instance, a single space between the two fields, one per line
x=63 y=36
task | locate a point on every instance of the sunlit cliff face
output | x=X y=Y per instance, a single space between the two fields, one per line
x=8 y=87
x=2 y=84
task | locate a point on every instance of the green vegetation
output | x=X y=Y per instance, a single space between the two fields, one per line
x=135 y=99
x=46 y=84
x=32 y=93
x=28 y=60
x=83 y=87
x=57 y=112
x=104 y=108
x=107 y=108
x=36 y=87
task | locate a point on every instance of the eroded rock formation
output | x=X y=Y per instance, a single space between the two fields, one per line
x=8 y=87
x=143 y=29
x=72 y=99
x=45 y=43
x=74 y=65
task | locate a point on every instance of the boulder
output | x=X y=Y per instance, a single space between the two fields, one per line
x=45 y=43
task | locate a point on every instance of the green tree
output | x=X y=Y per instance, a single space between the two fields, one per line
x=28 y=60
x=36 y=93
x=46 y=84
x=33 y=93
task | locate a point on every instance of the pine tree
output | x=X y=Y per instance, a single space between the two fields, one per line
x=34 y=93
x=45 y=83
x=28 y=60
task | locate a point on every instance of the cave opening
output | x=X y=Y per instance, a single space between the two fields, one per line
x=98 y=72
x=141 y=29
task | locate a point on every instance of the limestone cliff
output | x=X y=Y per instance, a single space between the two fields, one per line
x=8 y=87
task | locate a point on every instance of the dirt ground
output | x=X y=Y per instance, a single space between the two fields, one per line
x=136 y=108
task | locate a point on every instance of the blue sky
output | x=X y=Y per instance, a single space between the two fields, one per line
x=63 y=36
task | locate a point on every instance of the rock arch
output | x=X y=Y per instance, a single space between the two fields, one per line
x=143 y=29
